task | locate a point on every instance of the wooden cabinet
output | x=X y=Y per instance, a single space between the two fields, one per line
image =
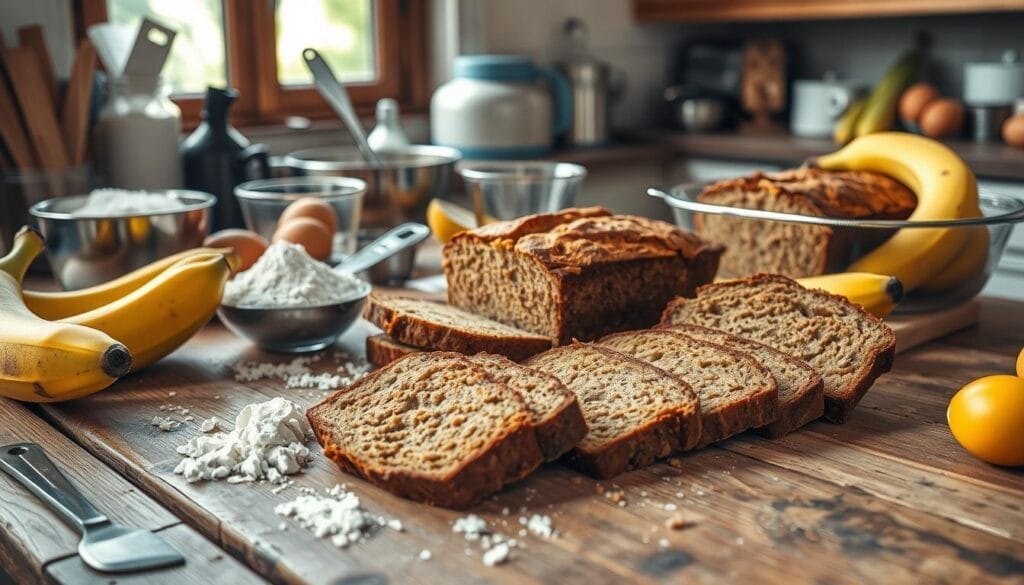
x=752 y=10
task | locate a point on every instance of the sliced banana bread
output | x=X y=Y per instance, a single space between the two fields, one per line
x=576 y=273
x=555 y=412
x=381 y=350
x=431 y=427
x=736 y=392
x=636 y=413
x=442 y=327
x=849 y=347
x=797 y=250
x=801 y=397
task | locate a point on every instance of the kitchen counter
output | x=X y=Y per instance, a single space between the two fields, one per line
x=991 y=161
x=888 y=497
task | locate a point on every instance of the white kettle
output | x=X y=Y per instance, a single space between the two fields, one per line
x=500 y=107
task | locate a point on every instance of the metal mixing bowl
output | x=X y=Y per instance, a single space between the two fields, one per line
x=507 y=190
x=398 y=191
x=295 y=330
x=84 y=251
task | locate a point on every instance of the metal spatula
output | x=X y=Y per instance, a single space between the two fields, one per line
x=105 y=546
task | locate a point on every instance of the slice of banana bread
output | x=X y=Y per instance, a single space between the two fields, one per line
x=736 y=392
x=381 y=350
x=577 y=273
x=636 y=413
x=431 y=427
x=555 y=411
x=797 y=250
x=849 y=347
x=801 y=397
x=442 y=327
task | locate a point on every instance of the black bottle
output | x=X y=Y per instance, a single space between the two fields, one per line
x=217 y=158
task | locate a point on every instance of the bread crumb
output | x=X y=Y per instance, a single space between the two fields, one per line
x=616 y=496
x=676 y=522
x=676 y=462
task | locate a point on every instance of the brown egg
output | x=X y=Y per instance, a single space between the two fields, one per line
x=248 y=245
x=310 y=233
x=1013 y=131
x=914 y=99
x=310 y=207
x=943 y=117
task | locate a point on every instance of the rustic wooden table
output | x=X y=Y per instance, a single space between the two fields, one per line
x=889 y=497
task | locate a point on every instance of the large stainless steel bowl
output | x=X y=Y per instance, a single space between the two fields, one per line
x=398 y=191
x=87 y=250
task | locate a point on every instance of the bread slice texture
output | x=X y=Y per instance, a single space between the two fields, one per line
x=555 y=411
x=846 y=345
x=381 y=350
x=576 y=273
x=798 y=250
x=431 y=427
x=736 y=391
x=635 y=413
x=422 y=323
x=801 y=389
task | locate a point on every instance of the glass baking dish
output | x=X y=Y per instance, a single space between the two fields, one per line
x=1000 y=214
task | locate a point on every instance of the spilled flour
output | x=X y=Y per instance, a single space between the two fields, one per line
x=336 y=512
x=286 y=276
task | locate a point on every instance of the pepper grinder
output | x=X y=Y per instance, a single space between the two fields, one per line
x=217 y=158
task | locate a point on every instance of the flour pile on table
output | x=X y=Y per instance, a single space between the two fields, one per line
x=337 y=513
x=115 y=202
x=267 y=443
x=286 y=276
x=297 y=374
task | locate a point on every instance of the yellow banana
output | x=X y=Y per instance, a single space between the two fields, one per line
x=58 y=305
x=43 y=361
x=878 y=294
x=155 y=319
x=945 y=189
x=846 y=126
x=968 y=263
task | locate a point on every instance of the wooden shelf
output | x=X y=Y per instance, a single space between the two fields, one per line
x=761 y=10
x=990 y=161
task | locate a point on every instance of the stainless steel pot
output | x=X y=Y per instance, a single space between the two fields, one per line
x=398 y=191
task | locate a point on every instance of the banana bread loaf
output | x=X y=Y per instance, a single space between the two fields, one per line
x=797 y=250
x=577 y=273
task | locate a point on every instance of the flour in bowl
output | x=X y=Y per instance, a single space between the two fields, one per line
x=286 y=276
x=118 y=202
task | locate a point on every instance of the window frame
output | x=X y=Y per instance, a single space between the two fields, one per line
x=401 y=63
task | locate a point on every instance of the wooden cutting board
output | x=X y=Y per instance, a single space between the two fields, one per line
x=914 y=330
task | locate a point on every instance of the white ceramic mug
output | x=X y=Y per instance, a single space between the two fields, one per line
x=818 y=103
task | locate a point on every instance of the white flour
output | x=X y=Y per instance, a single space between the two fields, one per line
x=116 y=202
x=286 y=276
x=297 y=374
x=266 y=443
x=337 y=513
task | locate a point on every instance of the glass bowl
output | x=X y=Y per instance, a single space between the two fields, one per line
x=262 y=203
x=511 y=189
x=999 y=214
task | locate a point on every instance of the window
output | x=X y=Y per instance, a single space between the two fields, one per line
x=376 y=47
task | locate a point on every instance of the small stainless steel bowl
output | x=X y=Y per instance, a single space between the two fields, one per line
x=295 y=330
x=87 y=250
x=511 y=189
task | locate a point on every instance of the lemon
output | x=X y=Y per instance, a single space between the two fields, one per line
x=447 y=219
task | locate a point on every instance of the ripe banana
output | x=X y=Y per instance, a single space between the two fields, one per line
x=43 y=361
x=58 y=305
x=155 y=319
x=878 y=294
x=879 y=112
x=945 y=189
x=845 y=128
x=968 y=263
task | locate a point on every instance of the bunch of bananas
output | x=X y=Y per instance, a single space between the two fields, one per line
x=66 y=345
x=877 y=112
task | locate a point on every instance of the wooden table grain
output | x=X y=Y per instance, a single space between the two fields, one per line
x=888 y=497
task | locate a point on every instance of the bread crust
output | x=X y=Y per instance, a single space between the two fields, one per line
x=675 y=430
x=420 y=332
x=838 y=408
x=753 y=410
x=805 y=404
x=381 y=350
x=507 y=457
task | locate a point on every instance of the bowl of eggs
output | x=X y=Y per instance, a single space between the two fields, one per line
x=320 y=213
